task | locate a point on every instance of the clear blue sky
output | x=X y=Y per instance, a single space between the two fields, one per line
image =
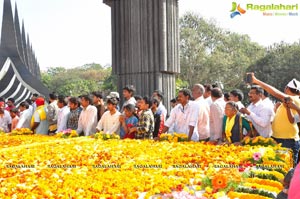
x=75 y=32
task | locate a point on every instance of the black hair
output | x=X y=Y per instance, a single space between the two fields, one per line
x=216 y=92
x=24 y=104
x=28 y=101
x=2 y=99
x=257 y=89
x=233 y=105
x=237 y=93
x=186 y=92
x=35 y=95
x=226 y=96
x=130 y=89
x=98 y=94
x=130 y=108
x=62 y=99
x=173 y=100
x=208 y=87
x=293 y=90
x=159 y=93
x=87 y=98
x=266 y=94
x=155 y=101
x=11 y=99
x=53 y=96
x=147 y=100
x=14 y=110
x=138 y=97
x=74 y=100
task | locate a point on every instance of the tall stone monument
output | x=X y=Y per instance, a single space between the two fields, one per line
x=19 y=69
x=145 y=50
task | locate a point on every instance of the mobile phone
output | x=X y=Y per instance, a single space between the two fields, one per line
x=249 y=78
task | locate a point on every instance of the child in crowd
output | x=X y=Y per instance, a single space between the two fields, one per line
x=128 y=121
x=109 y=122
x=14 y=116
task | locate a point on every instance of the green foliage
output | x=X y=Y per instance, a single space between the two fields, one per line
x=180 y=84
x=109 y=83
x=106 y=136
x=79 y=80
x=255 y=191
x=264 y=176
x=280 y=65
x=280 y=170
x=209 y=54
x=206 y=182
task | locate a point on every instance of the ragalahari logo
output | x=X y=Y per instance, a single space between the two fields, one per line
x=236 y=10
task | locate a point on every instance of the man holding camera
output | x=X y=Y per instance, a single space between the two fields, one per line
x=284 y=131
x=260 y=115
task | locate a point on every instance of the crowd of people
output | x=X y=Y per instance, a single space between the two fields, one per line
x=203 y=113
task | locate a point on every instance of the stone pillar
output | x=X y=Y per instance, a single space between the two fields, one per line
x=145 y=49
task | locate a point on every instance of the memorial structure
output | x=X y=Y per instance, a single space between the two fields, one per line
x=19 y=69
x=145 y=45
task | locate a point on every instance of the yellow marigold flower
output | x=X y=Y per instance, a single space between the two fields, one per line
x=247 y=140
x=208 y=190
x=255 y=140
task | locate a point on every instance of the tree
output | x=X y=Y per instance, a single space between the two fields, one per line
x=79 y=80
x=209 y=54
x=280 y=64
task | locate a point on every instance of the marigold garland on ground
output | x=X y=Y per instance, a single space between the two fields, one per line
x=92 y=168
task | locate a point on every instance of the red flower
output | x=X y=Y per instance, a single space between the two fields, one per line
x=129 y=125
x=241 y=169
x=179 y=187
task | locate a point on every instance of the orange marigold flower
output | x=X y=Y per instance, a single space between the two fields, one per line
x=219 y=182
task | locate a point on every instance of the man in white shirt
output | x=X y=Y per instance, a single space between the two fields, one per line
x=30 y=108
x=217 y=109
x=203 y=112
x=109 y=122
x=161 y=109
x=33 y=99
x=183 y=116
x=128 y=92
x=266 y=100
x=260 y=115
x=25 y=115
x=63 y=112
x=207 y=93
x=5 y=119
x=88 y=117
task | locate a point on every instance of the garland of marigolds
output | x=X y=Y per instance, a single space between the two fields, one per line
x=85 y=167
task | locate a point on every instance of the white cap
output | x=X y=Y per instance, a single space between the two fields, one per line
x=295 y=84
x=113 y=94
